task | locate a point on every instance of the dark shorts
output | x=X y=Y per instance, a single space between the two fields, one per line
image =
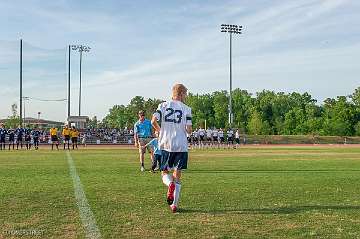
x=157 y=158
x=231 y=139
x=74 y=140
x=237 y=140
x=54 y=138
x=215 y=138
x=11 y=139
x=201 y=138
x=19 y=139
x=67 y=137
x=2 y=139
x=222 y=139
x=173 y=160
x=36 y=139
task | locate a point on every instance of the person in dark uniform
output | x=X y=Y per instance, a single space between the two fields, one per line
x=3 y=133
x=11 y=134
x=36 y=134
x=28 y=138
x=19 y=132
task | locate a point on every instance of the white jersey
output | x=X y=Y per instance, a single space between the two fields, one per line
x=174 y=116
x=221 y=134
x=215 y=133
x=230 y=133
x=201 y=132
x=237 y=135
x=208 y=133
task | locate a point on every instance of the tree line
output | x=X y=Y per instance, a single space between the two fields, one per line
x=265 y=113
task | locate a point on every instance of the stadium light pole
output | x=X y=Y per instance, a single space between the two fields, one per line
x=231 y=29
x=69 y=75
x=21 y=97
x=25 y=98
x=81 y=49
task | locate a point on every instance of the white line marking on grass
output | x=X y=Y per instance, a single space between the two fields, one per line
x=86 y=215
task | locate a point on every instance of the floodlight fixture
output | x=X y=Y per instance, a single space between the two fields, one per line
x=81 y=49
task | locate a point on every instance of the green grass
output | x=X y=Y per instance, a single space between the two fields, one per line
x=252 y=192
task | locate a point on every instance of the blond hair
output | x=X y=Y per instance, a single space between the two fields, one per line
x=178 y=91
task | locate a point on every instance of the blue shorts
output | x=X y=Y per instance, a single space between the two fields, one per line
x=173 y=160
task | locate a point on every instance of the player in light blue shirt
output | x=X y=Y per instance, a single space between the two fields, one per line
x=157 y=154
x=142 y=136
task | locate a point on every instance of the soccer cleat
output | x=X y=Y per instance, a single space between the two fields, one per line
x=170 y=193
x=142 y=169
x=173 y=208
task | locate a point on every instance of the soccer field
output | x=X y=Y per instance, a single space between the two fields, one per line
x=252 y=192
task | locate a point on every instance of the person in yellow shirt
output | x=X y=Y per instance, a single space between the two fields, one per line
x=66 y=135
x=74 y=137
x=54 y=138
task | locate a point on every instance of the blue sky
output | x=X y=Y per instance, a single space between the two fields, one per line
x=144 y=47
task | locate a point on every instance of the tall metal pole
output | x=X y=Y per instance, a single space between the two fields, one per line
x=231 y=29
x=68 y=110
x=230 y=98
x=80 y=84
x=21 y=99
x=24 y=121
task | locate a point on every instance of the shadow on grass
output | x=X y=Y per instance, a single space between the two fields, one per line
x=278 y=210
x=272 y=170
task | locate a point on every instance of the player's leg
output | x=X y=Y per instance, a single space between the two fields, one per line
x=141 y=157
x=180 y=163
x=153 y=161
x=142 y=152
x=166 y=176
x=177 y=182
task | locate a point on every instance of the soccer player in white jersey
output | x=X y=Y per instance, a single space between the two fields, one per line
x=237 y=138
x=230 y=137
x=215 y=134
x=209 y=136
x=221 y=137
x=175 y=119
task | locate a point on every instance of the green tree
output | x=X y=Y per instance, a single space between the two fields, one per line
x=220 y=106
x=257 y=126
x=93 y=122
x=339 y=117
x=14 y=120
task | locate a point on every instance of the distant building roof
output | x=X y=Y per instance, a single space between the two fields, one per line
x=34 y=121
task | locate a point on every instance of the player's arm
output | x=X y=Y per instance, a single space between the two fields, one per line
x=136 y=137
x=155 y=124
x=155 y=118
x=189 y=122
x=189 y=129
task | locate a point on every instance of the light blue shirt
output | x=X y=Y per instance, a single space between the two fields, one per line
x=143 y=129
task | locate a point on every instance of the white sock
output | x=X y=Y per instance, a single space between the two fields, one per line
x=177 y=193
x=167 y=179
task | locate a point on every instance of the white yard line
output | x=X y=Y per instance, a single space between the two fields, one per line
x=86 y=215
